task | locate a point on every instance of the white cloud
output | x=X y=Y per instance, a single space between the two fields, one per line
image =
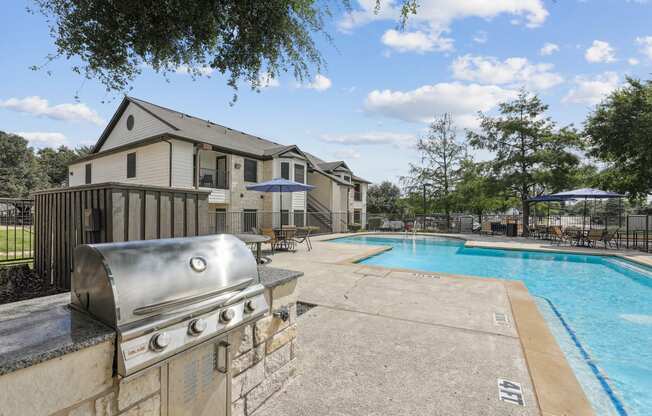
x=320 y=83
x=418 y=41
x=480 y=37
x=185 y=70
x=266 y=81
x=435 y=17
x=591 y=90
x=548 y=48
x=600 y=51
x=40 y=107
x=633 y=61
x=43 y=139
x=369 y=138
x=511 y=71
x=646 y=45
x=421 y=105
x=346 y=153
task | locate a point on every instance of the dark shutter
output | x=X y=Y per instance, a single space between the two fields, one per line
x=299 y=174
x=285 y=170
x=88 y=173
x=131 y=165
x=221 y=174
x=250 y=170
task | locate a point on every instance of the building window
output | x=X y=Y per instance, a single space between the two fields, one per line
x=131 y=165
x=130 y=122
x=347 y=178
x=285 y=217
x=299 y=218
x=285 y=170
x=250 y=170
x=357 y=193
x=299 y=174
x=249 y=220
x=357 y=216
x=88 y=173
x=194 y=170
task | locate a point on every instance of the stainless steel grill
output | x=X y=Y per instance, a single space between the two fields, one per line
x=165 y=296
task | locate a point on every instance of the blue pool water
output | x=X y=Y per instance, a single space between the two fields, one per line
x=603 y=306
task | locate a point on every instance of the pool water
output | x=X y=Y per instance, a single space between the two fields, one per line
x=603 y=306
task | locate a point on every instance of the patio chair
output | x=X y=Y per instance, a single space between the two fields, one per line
x=304 y=239
x=557 y=235
x=273 y=241
x=611 y=238
x=594 y=236
x=485 y=228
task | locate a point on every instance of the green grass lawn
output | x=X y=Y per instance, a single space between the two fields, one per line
x=13 y=243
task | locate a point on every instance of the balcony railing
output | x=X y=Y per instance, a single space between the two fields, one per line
x=213 y=178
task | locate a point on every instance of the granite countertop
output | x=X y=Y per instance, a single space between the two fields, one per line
x=37 y=330
x=271 y=276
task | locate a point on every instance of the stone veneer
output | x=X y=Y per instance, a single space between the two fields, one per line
x=82 y=382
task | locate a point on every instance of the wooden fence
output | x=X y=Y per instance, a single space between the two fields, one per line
x=109 y=212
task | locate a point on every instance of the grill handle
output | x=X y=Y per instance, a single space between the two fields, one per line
x=175 y=303
x=223 y=352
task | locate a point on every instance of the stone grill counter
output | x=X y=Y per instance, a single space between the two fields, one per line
x=56 y=361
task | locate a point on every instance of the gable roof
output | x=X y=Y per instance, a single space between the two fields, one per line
x=182 y=125
x=194 y=128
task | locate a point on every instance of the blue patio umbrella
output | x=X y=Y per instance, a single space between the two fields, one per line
x=280 y=185
x=587 y=193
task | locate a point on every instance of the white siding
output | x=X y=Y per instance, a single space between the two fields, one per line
x=145 y=125
x=181 y=164
x=218 y=196
x=152 y=167
x=296 y=201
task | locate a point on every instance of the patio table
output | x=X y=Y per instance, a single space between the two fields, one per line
x=256 y=239
x=285 y=237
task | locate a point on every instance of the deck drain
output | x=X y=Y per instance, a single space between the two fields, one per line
x=303 y=307
x=510 y=392
x=501 y=319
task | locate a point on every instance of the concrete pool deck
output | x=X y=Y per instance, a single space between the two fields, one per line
x=386 y=341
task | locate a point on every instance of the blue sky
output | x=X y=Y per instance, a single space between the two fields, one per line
x=380 y=86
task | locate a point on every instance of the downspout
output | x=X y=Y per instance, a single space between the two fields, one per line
x=170 y=164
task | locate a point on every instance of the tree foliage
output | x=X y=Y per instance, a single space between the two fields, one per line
x=54 y=163
x=477 y=191
x=530 y=154
x=384 y=198
x=20 y=172
x=441 y=161
x=619 y=133
x=243 y=40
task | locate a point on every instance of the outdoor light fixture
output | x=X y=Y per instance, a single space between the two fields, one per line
x=237 y=166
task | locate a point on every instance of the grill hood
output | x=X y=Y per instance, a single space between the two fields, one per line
x=128 y=284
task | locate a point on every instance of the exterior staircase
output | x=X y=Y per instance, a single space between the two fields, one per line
x=320 y=213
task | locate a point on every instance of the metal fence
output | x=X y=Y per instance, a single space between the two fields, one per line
x=236 y=222
x=632 y=231
x=16 y=230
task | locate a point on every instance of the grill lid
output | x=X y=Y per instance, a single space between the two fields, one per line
x=122 y=284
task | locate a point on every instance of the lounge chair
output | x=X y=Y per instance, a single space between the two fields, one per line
x=558 y=236
x=593 y=237
x=611 y=238
x=485 y=228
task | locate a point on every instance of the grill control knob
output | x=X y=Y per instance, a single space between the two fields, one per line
x=227 y=315
x=196 y=326
x=250 y=306
x=160 y=341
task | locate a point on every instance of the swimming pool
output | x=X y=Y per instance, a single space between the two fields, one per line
x=599 y=308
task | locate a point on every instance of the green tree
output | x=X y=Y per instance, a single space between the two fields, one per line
x=477 y=192
x=441 y=159
x=20 y=172
x=243 y=40
x=54 y=163
x=384 y=198
x=530 y=154
x=619 y=133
